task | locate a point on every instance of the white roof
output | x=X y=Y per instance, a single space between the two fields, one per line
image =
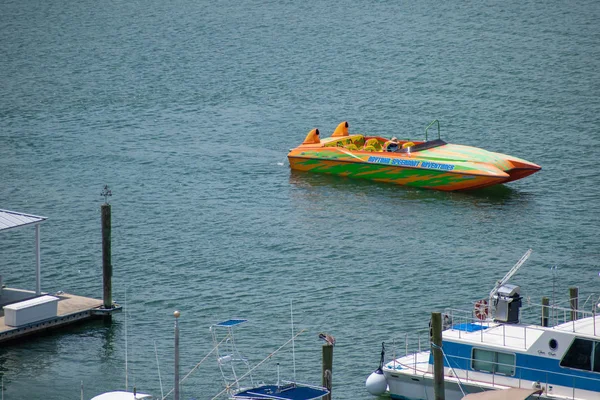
x=120 y=395
x=586 y=326
x=12 y=219
x=498 y=335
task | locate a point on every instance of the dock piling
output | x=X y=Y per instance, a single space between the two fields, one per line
x=545 y=310
x=106 y=256
x=438 y=357
x=327 y=368
x=574 y=297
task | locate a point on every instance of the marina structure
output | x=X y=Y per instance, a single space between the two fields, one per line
x=26 y=312
x=492 y=348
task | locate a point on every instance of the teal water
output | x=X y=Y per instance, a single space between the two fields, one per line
x=187 y=111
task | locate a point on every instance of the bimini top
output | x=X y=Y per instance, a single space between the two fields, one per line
x=12 y=219
x=231 y=322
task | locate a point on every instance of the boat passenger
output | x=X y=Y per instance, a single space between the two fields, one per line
x=392 y=144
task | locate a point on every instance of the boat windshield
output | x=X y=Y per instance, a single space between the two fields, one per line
x=422 y=146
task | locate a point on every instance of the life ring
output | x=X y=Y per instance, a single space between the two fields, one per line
x=481 y=310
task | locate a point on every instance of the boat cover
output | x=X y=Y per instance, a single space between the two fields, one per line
x=122 y=395
x=287 y=392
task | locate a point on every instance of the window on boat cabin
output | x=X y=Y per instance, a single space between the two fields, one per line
x=493 y=361
x=582 y=354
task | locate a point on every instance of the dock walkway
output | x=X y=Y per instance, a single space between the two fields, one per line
x=71 y=309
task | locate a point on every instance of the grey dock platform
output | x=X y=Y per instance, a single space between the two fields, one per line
x=71 y=309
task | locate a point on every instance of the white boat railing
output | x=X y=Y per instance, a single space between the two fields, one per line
x=557 y=314
x=532 y=314
x=411 y=346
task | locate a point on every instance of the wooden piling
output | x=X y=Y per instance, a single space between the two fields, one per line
x=438 y=357
x=106 y=256
x=545 y=310
x=327 y=368
x=574 y=297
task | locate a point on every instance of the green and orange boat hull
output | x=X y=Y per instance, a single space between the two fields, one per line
x=427 y=164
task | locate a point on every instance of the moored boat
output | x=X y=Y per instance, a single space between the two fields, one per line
x=490 y=348
x=430 y=164
x=231 y=363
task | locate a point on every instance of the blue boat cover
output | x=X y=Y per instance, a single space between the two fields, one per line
x=287 y=392
x=469 y=327
x=231 y=322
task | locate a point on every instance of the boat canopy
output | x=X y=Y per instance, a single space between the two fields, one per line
x=290 y=391
x=231 y=323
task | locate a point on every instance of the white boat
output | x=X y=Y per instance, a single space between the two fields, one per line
x=490 y=348
x=122 y=395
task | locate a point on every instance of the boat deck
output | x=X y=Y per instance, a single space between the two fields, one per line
x=505 y=335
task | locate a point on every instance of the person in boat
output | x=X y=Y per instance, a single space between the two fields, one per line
x=392 y=144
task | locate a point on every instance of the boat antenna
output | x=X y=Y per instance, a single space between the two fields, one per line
x=176 y=314
x=293 y=350
x=277 y=374
x=158 y=367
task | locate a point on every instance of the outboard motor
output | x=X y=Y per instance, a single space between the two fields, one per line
x=507 y=302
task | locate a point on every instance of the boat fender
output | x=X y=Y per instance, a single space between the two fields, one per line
x=376 y=383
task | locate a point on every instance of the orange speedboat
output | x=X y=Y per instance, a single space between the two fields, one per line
x=431 y=164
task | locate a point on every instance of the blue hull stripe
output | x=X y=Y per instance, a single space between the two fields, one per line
x=548 y=370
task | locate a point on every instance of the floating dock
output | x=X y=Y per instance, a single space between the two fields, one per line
x=71 y=309
x=26 y=312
